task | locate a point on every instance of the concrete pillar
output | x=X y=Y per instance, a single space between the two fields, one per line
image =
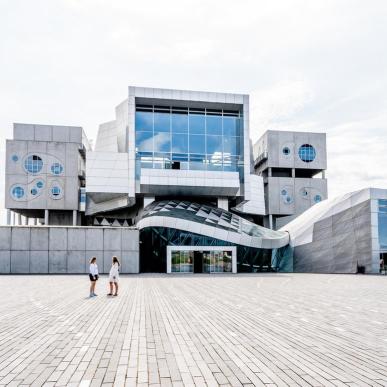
x=13 y=218
x=46 y=217
x=19 y=219
x=293 y=172
x=271 y=221
x=323 y=174
x=26 y=220
x=223 y=203
x=35 y=221
x=269 y=172
x=8 y=217
x=75 y=215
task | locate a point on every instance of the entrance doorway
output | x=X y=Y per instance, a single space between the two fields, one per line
x=197 y=259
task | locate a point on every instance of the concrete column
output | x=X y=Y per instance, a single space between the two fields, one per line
x=8 y=217
x=74 y=217
x=35 y=221
x=13 y=218
x=19 y=219
x=26 y=220
x=46 y=217
x=293 y=172
x=271 y=221
x=323 y=174
x=223 y=203
x=269 y=172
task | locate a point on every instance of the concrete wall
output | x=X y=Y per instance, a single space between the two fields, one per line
x=340 y=242
x=52 y=250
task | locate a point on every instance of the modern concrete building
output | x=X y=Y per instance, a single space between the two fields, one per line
x=346 y=234
x=292 y=165
x=45 y=173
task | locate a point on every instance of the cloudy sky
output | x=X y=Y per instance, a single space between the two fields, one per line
x=316 y=65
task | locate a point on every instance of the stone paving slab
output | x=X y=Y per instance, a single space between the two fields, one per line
x=194 y=330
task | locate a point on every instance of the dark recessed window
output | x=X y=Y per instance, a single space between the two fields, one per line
x=286 y=151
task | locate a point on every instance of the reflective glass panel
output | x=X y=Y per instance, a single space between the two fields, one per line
x=197 y=123
x=197 y=162
x=197 y=144
x=179 y=143
x=162 y=122
x=162 y=142
x=144 y=141
x=230 y=145
x=214 y=124
x=230 y=126
x=144 y=121
x=382 y=220
x=214 y=144
x=180 y=122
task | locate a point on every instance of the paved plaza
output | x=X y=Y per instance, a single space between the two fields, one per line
x=195 y=330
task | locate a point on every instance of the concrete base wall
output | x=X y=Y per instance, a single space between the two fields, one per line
x=55 y=250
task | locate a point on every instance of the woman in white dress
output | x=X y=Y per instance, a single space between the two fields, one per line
x=114 y=276
x=93 y=275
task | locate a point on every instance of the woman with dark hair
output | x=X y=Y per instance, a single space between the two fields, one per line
x=113 y=276
x=93 y=275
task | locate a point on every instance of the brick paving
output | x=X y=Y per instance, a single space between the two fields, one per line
x=195 y=330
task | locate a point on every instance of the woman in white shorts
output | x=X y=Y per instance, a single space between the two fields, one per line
x=114 y=276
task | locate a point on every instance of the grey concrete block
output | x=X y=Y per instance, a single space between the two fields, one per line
x=5 y=262
x=58 y=238
x=60 y=134
x=107 y=259
x=130 y=240
x=76 y=261
x=343 y=227
x=43 y=133
x=76 y=239
x=20 y=238
x=342 y=216
x=94 y=238
x=39 y=238
x=94 y=253
x=112 y=239
x=39 y=262
x=130 y=262
x=23 y=131
x=20 y=261
x=5 y=238
x=75 y=134
x=57 y=262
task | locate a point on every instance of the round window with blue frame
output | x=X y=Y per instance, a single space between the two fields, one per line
x=56 y=192
x=56 y=168
x=33 y=164
x=34 y=191
x=286 y=151
x=307 y=153
x=17 y=192
x=15 y=158
x=317 y=198
x=40 y=184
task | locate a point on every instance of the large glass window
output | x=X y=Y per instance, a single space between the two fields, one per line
x=197 y=123
x=382 y=220
x=198 y=138
x=214 y=124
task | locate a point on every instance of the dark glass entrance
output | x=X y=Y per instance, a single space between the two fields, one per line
x=198 y=261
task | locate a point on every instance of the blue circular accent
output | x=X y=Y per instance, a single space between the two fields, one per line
x=40 y=184
x=56 y=191
x=304 y=193
x=56 y=168
x=33 y=164
x=317 y=198
x=15 y=158
x=286 y=151
x=307 y=153
x=18 y=192
x=284 y=192
x=34 y=191
x=288 y=199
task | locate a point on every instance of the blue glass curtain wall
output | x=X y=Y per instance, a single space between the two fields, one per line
x=382 y=223
x=154 y=242
x=187 y=138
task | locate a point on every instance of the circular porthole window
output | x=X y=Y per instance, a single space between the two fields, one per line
x=307 y=153
x=317 y=198
x=286 y=151
x=34 y=191
x=17 y=192
x=15 y=158
x=33 y=164
x=40 y=184
x=56 y=168
x=284 y=192
x=56 y=192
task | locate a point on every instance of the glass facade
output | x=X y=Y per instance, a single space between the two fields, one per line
x=382 y=222
x=187 y=138
x=153 y=253
x=33 y=164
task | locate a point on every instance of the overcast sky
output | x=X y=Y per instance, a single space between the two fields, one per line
x=316 y=65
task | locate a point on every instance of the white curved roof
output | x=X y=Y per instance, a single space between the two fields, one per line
x=211 y=221
x=301 y=228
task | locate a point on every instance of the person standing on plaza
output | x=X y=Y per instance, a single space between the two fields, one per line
x=93 y=275
x=113 y=276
